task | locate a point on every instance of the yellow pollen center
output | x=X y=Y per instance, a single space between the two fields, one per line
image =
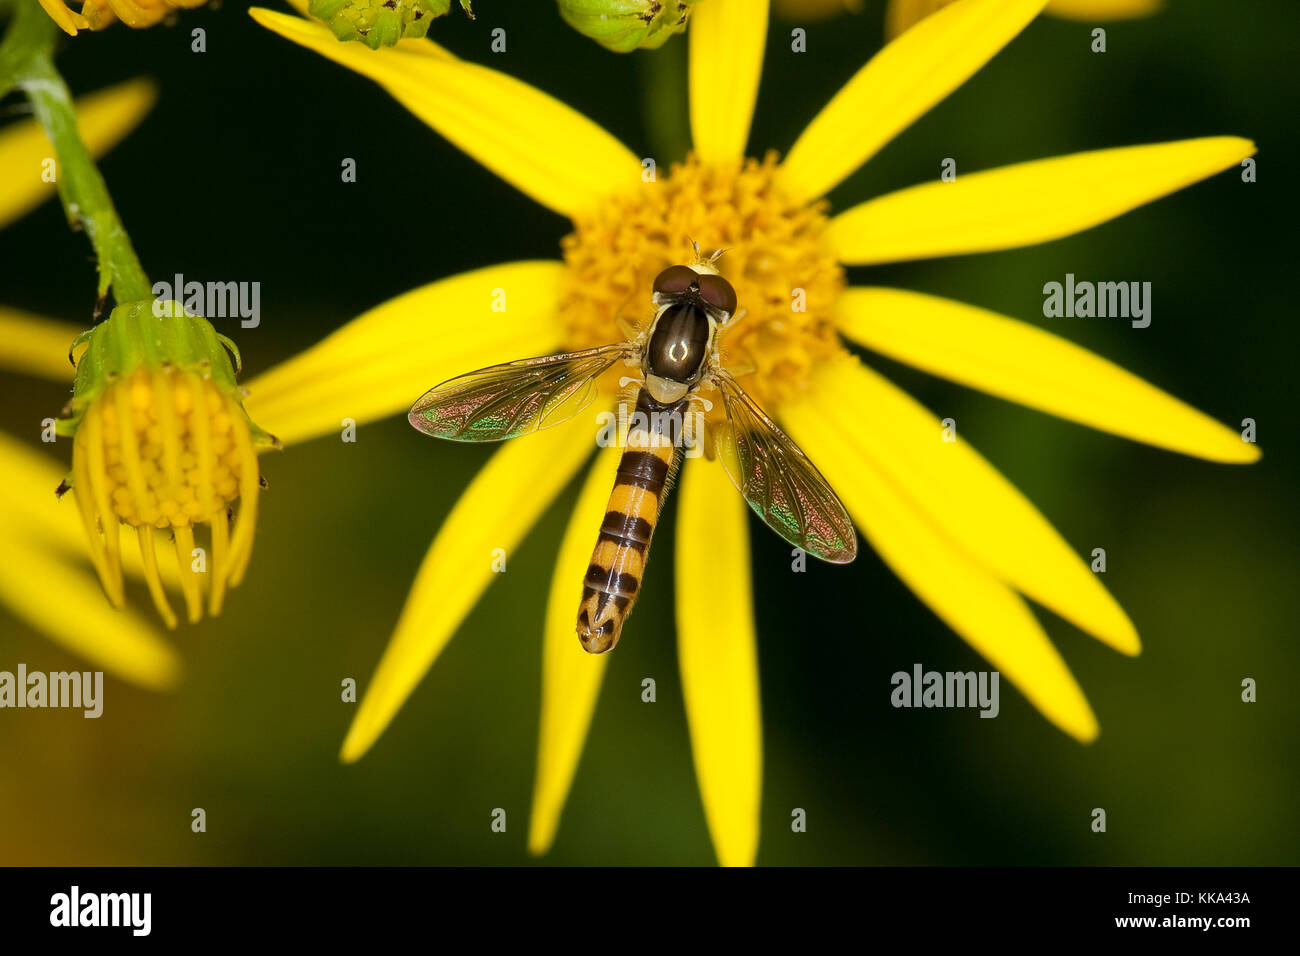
x=167 y=448
x=786 y=278
x=171 y=457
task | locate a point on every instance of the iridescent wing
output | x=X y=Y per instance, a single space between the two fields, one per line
x=515 y=398
x=783 y=487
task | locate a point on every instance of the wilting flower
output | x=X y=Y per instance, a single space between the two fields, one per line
x=962 y=537
x=98 y=14
x=43 y=575
x=162 y=443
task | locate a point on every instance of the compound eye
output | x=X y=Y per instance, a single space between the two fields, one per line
x=718 y=293
x=675 y=280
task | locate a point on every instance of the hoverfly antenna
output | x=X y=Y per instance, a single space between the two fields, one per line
x=707 y=262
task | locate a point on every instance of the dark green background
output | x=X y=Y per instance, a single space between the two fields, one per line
x=235 y=176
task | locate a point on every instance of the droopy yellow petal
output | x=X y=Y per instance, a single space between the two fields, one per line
x=382 y=361
x=496 y=511
x=68 y=20
x=718 y=655
x=1016 y=361
x=531 y=140
x=1094 y=10
x=966 y=497
x=570 y=676
x=1026 y=203
x=897 y=86
x=65 y=602
x=727 y=39
x=36 y=346
x=103 y=119
x=962 y=591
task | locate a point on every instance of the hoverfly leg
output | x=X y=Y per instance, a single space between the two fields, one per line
x=627 y=329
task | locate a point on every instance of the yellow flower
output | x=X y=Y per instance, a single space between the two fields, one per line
x=961 y=536
x=42 y=579
x=98 y=14
x=162 y=442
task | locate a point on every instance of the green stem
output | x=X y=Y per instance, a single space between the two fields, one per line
x=26 y=59
x=26 y=35
x=663 y=80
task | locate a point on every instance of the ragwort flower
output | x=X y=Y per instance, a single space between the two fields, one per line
x=162 y=443
x=957 y=532
x=160 y=438
x=43 y=575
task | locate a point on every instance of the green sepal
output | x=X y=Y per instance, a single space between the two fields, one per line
x=626 y=25
x=156 y=334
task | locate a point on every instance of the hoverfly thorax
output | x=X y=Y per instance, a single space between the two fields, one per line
x=691 y=303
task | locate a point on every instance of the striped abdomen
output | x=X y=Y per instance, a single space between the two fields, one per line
x=618 y=563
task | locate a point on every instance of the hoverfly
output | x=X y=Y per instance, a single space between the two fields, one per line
x=673 y=360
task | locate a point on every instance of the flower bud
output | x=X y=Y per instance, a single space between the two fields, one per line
x=379 y=23
x=626 y=25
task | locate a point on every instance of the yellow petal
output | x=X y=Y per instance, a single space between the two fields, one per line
x=961 y=493
x=381 y=362
x=1026 y=203
x=718 y=655
x=897 y=87
x=1016 y=361
x=496 y=511
x=969 y=598
x=570 y=676
x=68 y=21
x=103 y=118
x=30 y=482
x=36 y=346
x=1094 y=10
x=531 y=140
x=65 y=602
x=727 y=39
x=31 y=504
